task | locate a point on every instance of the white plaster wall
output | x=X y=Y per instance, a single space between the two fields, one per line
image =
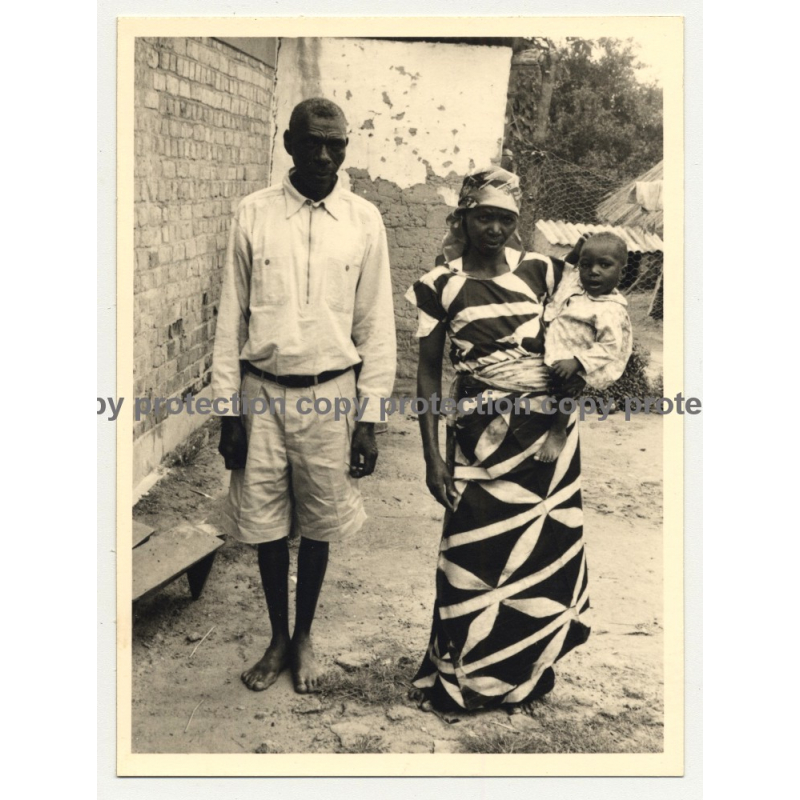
x=409 y=105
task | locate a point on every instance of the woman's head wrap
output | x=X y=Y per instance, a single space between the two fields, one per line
x=494 y=187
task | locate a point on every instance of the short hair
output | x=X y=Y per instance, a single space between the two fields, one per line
x=315 y=107
x=620 y=248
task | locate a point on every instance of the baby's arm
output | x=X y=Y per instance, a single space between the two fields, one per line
x=605 y=361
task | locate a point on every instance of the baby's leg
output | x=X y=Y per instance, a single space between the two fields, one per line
x=556 y=439
x=557 y=435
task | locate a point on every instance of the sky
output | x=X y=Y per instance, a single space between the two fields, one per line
x=651 y=52
x=649 y=48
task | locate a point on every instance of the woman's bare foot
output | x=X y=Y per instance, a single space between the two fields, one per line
x=274 y=661
x=543 y=687
x=305 y=669
x=552 y=447
x=418 y=696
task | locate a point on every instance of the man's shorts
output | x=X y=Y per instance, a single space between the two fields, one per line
x=298 y=465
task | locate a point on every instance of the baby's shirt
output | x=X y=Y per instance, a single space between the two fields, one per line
x=595 y=330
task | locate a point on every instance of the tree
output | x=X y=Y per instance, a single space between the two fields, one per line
x=583 y=102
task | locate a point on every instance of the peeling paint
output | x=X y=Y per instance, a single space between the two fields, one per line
x=381 y=72
x=402 y=70
x=450 y=196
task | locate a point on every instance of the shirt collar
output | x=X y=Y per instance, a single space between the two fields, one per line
x=332 y=203
x=614 y=296
x=574 y=287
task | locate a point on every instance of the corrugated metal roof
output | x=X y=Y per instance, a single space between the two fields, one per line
x=562 y=233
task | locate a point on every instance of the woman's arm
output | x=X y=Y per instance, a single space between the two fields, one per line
x=429 y=383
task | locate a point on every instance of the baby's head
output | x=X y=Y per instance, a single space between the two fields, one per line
x=602 y=259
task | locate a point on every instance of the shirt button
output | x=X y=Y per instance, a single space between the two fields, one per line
x=308 y=202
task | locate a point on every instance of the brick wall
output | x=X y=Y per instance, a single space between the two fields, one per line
x=202 y=142
x=415 y=224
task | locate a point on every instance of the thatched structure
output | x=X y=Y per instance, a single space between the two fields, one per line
x=638 y=204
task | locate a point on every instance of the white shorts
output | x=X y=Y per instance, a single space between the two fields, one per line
x=298 y=466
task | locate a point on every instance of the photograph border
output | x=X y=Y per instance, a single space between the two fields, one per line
x=668 y=763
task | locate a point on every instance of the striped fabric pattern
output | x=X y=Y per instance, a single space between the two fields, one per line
x=511 y=580
x=489 y=320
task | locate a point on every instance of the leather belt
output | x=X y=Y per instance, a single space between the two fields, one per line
x=295 y=381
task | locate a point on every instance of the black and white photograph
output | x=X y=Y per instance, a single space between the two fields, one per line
x=400 y=347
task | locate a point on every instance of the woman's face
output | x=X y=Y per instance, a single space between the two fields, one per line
x=488 y=228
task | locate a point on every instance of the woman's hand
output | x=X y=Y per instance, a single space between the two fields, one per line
x=566 y=368
x=440 y=483
x=574 y=255
x=363 y=450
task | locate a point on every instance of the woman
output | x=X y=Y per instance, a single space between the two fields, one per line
x=511 y=584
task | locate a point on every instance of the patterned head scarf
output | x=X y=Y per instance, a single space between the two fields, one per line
x=494 y=187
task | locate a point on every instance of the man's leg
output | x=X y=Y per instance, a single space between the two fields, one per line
x=312 y=562
x=273 y=563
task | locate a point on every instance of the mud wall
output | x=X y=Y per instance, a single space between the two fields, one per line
x=420 y=116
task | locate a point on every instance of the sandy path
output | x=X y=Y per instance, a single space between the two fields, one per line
x=375 y=607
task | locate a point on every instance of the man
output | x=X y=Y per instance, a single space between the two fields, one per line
x=306 y=297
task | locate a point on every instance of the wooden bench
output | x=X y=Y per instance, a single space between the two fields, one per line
x=160 y=558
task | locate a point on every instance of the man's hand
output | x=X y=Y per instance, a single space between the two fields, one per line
x=233 y=443
x=363 y=450
x=566 y=368
x=440 y=483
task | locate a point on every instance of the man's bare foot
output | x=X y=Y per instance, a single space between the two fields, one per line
x=274 y=661
x=305 y=669
x=552 y=447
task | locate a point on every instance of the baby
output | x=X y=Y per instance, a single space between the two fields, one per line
x=589 y=332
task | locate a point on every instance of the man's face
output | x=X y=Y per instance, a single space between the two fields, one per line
x=317 y=146
x=600 y=267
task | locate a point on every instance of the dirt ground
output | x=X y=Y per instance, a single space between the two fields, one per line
x=374 y=619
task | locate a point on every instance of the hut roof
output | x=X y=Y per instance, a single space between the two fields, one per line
x=637 y=204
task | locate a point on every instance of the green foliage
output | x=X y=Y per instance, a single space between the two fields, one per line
x=600 y=117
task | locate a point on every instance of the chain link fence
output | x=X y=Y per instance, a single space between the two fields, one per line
x=560 y=203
